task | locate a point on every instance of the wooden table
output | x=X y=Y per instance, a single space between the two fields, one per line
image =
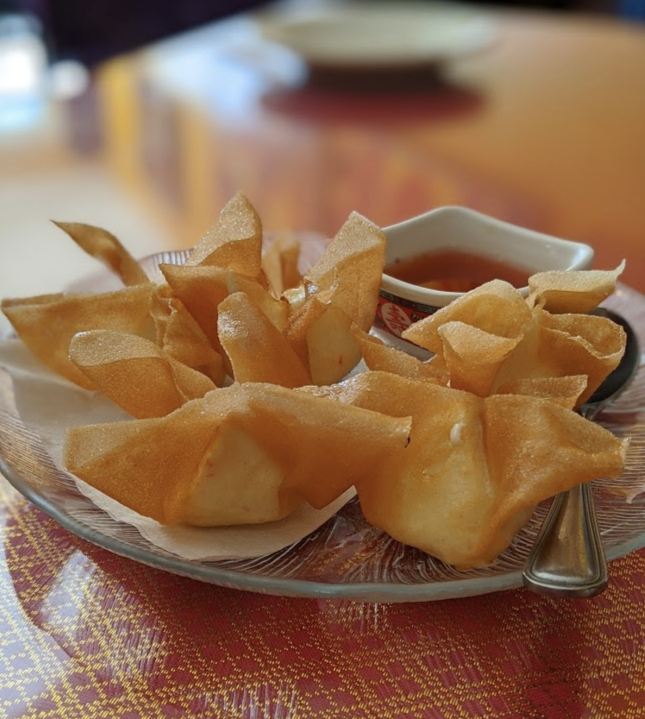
x=544 y=129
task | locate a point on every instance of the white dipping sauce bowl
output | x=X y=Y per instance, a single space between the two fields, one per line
x=460 y=229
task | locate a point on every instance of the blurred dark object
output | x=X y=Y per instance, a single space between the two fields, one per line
x=632 y=9
x=93 y=30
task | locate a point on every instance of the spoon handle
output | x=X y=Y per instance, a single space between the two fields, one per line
x=567 y=559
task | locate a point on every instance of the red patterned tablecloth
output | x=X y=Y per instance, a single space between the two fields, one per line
x=86 y=634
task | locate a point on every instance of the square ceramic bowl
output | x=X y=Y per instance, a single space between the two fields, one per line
x=449 y=230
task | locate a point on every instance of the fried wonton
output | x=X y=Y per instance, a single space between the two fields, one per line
x=475 y=468
x=491 y=338
x=495 y=308
x=449 y=455
x=337 y=294
x=245 y=454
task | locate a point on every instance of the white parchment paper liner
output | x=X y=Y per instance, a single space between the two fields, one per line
x=48 y=405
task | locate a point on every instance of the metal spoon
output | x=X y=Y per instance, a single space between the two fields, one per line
x=567 y=559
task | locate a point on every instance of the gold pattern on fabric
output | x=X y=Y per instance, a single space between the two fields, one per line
x=85 y=634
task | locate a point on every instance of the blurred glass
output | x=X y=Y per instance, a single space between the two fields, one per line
x=23 y=65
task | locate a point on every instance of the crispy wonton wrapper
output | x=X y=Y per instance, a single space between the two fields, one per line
x=475 y=468
x=234 y=242
x=47 y=323
x=280 y=263
x=381 y=357
x=351 y=266
x=49 y=405
x=257 y=351
x=566 y=345
x=572 y=292
x=491 y=338
x=495 y=308
x=179 y=335
x=474 y=358
x=202 y=289
x=337 y=294
x=104 y=246
x=250 y=453
x=564 y=391
x=135 y=373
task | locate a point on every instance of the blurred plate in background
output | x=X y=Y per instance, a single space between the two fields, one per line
x=377 y=35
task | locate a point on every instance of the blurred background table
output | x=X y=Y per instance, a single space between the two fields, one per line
x=544 y=129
